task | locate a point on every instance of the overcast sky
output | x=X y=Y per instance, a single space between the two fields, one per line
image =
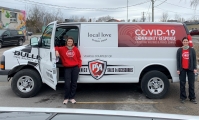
x=114 y=8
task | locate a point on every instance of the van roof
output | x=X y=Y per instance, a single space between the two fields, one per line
x=163 y=23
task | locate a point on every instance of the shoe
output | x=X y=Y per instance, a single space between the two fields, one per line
x=182 y=101
x=65 y=101
x=72 y=101
x=194 y=101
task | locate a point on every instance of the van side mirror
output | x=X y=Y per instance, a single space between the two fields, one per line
x=34 y=41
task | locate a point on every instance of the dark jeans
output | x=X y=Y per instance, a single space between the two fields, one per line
x=71 y=76
x=191 y=81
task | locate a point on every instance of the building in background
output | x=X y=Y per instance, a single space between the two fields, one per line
x=12 y=19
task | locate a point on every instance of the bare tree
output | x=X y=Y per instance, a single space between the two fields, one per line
x=34 y=17
x=182 y=19
x=93 y=19
x=194 y=3
x=57 y=15
x=134 y=20
x=82 y=19
x=177 y=17
x=75 y=18
x=143 y=18
x=149 y=17
x=164 y=17
x=38 y=17
x=104 y=18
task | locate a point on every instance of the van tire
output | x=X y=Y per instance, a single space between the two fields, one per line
x=155 y=84
x=34 y=84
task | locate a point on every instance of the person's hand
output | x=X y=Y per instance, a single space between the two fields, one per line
x=57 y=53
x=178 y=72
x=195 y=71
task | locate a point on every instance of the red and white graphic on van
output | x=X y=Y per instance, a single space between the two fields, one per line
x=149 y=35
x=97 y=68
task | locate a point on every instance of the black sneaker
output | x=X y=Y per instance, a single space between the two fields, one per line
x=194 y=101
x=182 y=101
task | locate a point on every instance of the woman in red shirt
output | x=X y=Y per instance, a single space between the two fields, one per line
x=186 y=65
x=71 y=60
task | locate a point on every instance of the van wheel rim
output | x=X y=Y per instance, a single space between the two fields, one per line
x=25 y=84
x=155 y=85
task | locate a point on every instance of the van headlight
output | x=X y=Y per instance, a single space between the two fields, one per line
x=2 y=64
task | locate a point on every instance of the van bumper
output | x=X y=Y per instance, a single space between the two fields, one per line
x=4 y=75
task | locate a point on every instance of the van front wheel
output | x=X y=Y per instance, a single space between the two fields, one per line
x=26 y=83
x=155 y=84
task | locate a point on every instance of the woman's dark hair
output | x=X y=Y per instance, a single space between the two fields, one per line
x=71 y=39
x=184 y=38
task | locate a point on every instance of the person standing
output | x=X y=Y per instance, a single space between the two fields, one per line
x=71 y=60
x=186 y=66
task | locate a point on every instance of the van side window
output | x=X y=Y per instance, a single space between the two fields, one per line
x=63 y=32
x=46 y=37
x=73 y=33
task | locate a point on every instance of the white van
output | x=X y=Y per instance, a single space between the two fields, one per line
x=115 y=52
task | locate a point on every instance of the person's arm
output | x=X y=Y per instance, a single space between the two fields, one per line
x=57 y=51
x=79 y=59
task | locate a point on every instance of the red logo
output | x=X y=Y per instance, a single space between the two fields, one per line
x=70 y=53
x=97 y=68
x=185 y=55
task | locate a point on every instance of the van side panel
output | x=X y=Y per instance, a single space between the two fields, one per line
x=109 y=57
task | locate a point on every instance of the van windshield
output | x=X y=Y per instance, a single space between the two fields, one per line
x=2 y=31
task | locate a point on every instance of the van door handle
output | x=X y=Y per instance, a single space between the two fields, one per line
x=50 y=56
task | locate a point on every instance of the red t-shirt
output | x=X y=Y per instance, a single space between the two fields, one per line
x=70 y=58
x=185 y=59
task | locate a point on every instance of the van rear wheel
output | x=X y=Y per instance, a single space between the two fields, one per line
x=155 y=84
x=26 y=83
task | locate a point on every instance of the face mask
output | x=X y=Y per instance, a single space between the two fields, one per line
x=185 y=47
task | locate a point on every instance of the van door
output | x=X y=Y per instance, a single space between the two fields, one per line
x=47 y=56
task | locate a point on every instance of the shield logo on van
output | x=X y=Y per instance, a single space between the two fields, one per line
x=97 y=68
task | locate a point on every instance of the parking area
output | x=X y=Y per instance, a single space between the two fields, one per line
x=128 y=97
